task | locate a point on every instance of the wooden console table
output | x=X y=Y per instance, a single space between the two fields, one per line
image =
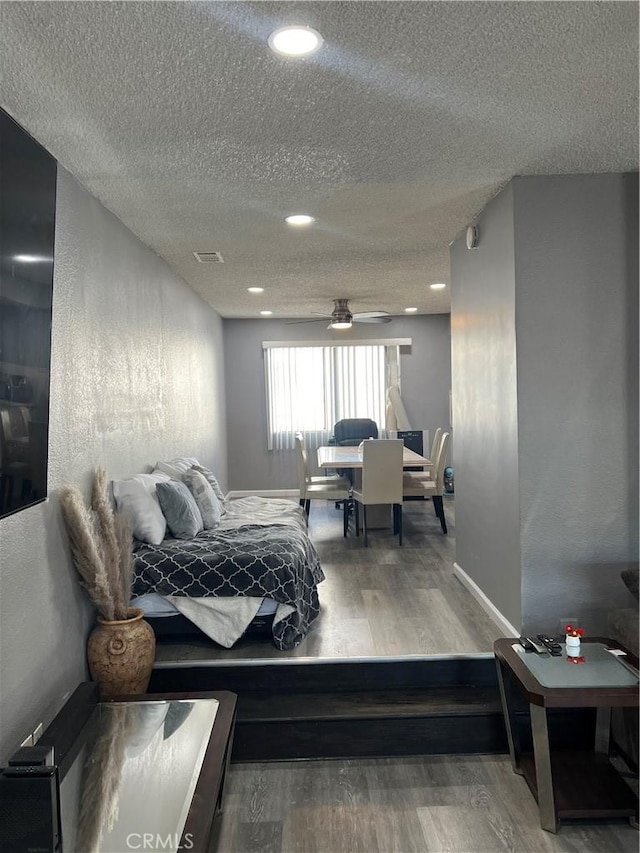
x=157 y=762
x=568 y=784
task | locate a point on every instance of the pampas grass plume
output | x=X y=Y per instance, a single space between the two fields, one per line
x=101 y=547
x=106 y=534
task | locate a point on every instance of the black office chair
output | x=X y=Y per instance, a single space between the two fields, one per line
x=351 y=431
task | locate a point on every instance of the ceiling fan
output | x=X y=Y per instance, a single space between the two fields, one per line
x=342 y=317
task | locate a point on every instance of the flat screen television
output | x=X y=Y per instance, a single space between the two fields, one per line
x=27 y=230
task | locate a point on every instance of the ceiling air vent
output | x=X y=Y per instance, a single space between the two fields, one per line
x=208 y=257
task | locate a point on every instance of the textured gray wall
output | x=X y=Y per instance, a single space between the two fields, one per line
x=137 y=375
x=547 y=494
x=577 y=338
x=426 y=378
x=483 y=345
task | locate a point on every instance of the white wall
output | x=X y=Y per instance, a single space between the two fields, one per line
x=576 y=240
x=137 y=374
x=483 y=342
x=426 y=380
x=547 y=493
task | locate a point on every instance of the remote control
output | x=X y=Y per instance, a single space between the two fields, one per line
x=548 y=641
x=551 y=645
x=530 y=646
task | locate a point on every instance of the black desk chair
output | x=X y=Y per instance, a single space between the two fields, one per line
x=351 y=431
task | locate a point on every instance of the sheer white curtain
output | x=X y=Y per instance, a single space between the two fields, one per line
x=309 y=388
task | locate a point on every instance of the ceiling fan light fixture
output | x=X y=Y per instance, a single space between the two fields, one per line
x=410 y=310
x=298 y=219
x=341 y=324
x=295 y=41
x=266 y=313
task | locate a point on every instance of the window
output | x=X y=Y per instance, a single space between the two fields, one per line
x=311 y=387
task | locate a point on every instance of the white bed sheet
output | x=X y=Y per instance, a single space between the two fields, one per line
x=224 y=620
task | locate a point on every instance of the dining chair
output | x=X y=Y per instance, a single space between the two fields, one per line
x=350 y=432
x=421 y=484
x=330 y=488
x=381 y=481
x=429 y=470
x=435 y=446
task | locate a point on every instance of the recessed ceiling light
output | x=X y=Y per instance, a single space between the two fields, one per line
x=299 y=219
x=295 y=41
x=266 y=313
x=30 y=259
x=411 y=310
x=255 y=289
x=439 y=285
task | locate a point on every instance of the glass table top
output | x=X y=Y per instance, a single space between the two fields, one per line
x=135 y=774
x=598 y=667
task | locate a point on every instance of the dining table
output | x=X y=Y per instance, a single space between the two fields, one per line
x=350 y=456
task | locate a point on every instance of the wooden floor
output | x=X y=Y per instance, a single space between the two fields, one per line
x=383 y=600
x=459 y=804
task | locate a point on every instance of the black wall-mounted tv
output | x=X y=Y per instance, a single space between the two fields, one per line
x=27 y=231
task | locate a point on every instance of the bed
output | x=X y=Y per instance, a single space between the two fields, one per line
x=257 y=563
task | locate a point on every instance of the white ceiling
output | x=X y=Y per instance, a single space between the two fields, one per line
x=394 y=136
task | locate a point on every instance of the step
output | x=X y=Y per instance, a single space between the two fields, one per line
x=319 y=676
x=367 y=705
x=368 y=724
x=302 y=709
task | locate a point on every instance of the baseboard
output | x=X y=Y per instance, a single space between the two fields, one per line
x=264 y=493
x=487 y=605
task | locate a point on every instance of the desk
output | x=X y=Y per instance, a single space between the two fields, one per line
x=339 y=456
x=155 y=762
x=568 y=784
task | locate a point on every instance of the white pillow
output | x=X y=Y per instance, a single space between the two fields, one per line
x=176 y=467
x=136 y=498
x=208 y=504
x=213 y=482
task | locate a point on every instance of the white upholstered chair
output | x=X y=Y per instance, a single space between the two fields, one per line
x=421 y=485
x=330 y=488
x=381 y=481
x=429 y=470
x=435 y=446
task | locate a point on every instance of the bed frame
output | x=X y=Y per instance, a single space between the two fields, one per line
x=180 y=626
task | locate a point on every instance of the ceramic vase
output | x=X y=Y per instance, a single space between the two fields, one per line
x=121 y=654
x=573 y=645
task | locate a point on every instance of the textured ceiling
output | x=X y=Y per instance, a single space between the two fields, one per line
x=394 y=136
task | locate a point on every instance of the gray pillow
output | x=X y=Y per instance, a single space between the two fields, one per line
x=210 y=478
x=205 y=497
x=180 y=509
x=630 y=578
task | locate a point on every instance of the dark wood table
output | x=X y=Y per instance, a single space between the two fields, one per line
x=568 y=784
x=168 y=754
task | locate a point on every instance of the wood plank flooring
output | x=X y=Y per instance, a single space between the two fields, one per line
x=383 y=600
x=459 y=804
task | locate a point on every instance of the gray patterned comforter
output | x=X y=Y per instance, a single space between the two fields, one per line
x=260 y=548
